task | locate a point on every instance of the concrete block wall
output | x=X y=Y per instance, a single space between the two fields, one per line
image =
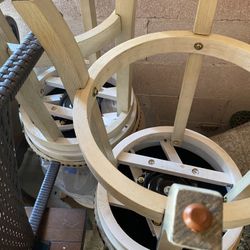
x=223 y=88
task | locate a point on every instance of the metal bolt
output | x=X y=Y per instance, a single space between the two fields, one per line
x=151 y=162
x=156 y=223
x=195 y=171
x=95 y=92
x=41 y=91
x=176 y=143
x=198 y=46
x=140 y=180
x=166 y=190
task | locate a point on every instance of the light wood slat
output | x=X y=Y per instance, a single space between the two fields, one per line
x=241 y=190
x=48 y=25
x=136 y=172
x=65 y=127
x=88 y=12
x=190 y=80
x=203 y=25
x=28 y=94
x=170 y=152
x=101 y=136
x=124 y=76
x=176 y=169
x=32 y=103
x=60 y=111
x=55 y=82
x=108 y=93
x=91 y=41
x=114 y=202
x=204 y=17
x=53 y=99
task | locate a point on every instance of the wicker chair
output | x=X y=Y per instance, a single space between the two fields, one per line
x=16 y=231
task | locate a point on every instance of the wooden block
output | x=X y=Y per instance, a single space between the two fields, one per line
x=182 y=234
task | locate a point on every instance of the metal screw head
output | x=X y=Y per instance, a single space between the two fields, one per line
x=42 y=91
x=195 y=171
x=140 y=180
x=176 y=143
x=95 y=92
x=198 y=46
x=151 y=162
x=166 y=190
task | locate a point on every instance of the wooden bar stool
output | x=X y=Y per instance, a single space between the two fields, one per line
x=54 y=95
x=171 y=140
x=118 y=104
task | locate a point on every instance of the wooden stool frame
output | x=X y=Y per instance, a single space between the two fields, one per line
x=119 y=26
x=137 y=198
x=161 y=136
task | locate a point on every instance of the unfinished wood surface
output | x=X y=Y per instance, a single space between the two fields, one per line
x=48 y=25
x=204 y=17
x=98 y=128
x=175 y=169
x=170 y=151
x=189 y=83
x=94 y=40
x=32 y=103
x=126 y=11
x=203 y=234
x=173 y=41
x=241 y=189
x=28 y=94
x=88 y=12
x=147 y=139
x=203 y=25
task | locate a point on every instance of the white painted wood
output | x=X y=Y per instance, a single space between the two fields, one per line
x=176 y=169
x=170 y=151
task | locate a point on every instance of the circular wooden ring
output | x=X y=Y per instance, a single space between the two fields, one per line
x=143 y=201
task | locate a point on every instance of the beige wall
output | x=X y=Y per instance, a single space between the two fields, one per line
x=223 y=88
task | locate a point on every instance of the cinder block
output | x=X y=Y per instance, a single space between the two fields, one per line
x=209 y=110
x=233 y=10
x=157 y=79
x=158 y=8
x=223 y=82
x=104 y=7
